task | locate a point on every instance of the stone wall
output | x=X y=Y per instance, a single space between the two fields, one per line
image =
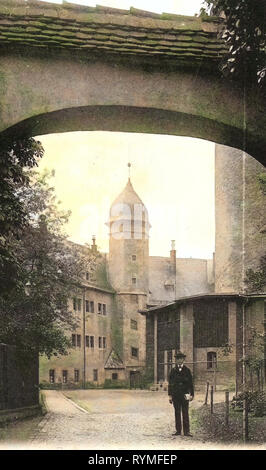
x=192 y=277
x=240 y=218
x=18 y=379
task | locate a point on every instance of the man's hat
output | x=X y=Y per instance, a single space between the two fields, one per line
x=179 y=354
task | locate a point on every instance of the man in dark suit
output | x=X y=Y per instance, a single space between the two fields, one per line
x=181 y=392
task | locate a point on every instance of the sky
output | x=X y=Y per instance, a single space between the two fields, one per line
x=182 y=7
x=174 y=176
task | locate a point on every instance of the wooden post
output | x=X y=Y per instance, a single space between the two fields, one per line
x=245 y=420
x=227 y=408
x=211 y=399
x=207 y=393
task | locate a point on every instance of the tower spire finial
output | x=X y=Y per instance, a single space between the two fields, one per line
x=129 y=167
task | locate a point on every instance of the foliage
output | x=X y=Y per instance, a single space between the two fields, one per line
x=15 y=157
x=256 y=280
x=262 y=182
x=244 y=33
x=256 y=401
x=35 y=315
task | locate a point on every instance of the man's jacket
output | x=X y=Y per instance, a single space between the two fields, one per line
x=180 y=383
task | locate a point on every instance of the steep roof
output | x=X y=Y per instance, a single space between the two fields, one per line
x=114 y=361
x=128 y=196
x=106 y=30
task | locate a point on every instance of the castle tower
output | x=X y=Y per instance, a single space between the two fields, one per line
x=128 y=269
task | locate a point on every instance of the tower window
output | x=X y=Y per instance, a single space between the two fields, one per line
x=134 y=257
x=91 y=306
x=134 y=280
x=87 y=276
x=104 y=309
x=99 y=308
x=95 y=375
x=100 y=342
x=87 y=306
x=133 y=324
x=135 y=352
x=211 y=360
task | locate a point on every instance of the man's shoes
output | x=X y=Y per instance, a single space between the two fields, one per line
x=188 y=435
x=176 y=434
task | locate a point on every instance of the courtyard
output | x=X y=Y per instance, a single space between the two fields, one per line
x=107 y=419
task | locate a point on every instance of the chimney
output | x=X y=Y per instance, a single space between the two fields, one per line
x=94 y=246
x=173 y=257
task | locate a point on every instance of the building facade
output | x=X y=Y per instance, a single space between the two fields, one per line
x=110 y=343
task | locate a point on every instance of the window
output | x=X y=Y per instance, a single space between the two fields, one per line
x=87 y=306
x=134 y=352
x=95 y=375
x=51 y=376
x=114 y=376
x=133 y=324
x=134 y=257
x=79 y=304
x=104 y=309
x=87 y=276
x=134 y=280
x=76 y=341
x=99 y=308
x=211 y=360
x=89 y=341
x=104 y=343
x=74 y=304
x=64 y=376
x=91 y=306
x=100 y=342
x=76 y=375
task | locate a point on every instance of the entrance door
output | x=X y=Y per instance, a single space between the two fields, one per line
x=134 y=379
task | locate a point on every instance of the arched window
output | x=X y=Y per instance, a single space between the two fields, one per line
x=211 y=360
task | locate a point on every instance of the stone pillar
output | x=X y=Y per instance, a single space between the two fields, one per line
x=155 y=349
x=240 y=209
x=186 y=333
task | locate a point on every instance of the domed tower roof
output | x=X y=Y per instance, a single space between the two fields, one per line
x=128 y=196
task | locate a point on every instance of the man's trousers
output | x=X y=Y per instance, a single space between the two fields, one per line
x=181 y=406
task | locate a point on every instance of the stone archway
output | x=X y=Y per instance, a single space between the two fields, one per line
x=66 y=68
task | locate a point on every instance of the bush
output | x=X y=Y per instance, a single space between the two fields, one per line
x=109 y=383
x=256 y=401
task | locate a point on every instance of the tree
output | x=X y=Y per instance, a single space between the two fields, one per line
x=244 y=33
x=15 y=158
x=36 y=316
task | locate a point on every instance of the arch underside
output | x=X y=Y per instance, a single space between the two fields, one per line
x=136 y=120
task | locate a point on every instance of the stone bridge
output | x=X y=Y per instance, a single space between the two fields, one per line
x=69 y=67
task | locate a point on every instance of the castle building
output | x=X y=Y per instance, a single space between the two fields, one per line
x=110 y=343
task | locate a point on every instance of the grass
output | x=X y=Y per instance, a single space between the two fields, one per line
x=212 y=427
x=19 y=431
